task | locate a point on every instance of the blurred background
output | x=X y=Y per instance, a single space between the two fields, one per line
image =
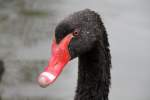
x=26 y=28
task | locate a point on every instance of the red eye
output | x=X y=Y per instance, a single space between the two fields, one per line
x=75 y=33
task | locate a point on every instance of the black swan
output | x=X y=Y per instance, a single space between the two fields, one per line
x=82 y=35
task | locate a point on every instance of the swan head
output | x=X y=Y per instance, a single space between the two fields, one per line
x=74 y=36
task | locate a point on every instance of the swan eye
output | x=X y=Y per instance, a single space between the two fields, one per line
x=75 y=33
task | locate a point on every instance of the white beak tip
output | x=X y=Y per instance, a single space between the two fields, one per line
x=43 y=82
x=45 y=79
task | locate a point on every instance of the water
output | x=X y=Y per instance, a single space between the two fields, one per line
x=26 y=28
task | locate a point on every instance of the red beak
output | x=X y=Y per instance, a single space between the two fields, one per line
x=60 y=57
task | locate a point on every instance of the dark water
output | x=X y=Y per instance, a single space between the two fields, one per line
x=26 y=28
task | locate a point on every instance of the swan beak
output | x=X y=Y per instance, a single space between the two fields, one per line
x=60 y=57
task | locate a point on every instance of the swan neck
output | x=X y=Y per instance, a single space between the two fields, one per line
x=93 y=75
